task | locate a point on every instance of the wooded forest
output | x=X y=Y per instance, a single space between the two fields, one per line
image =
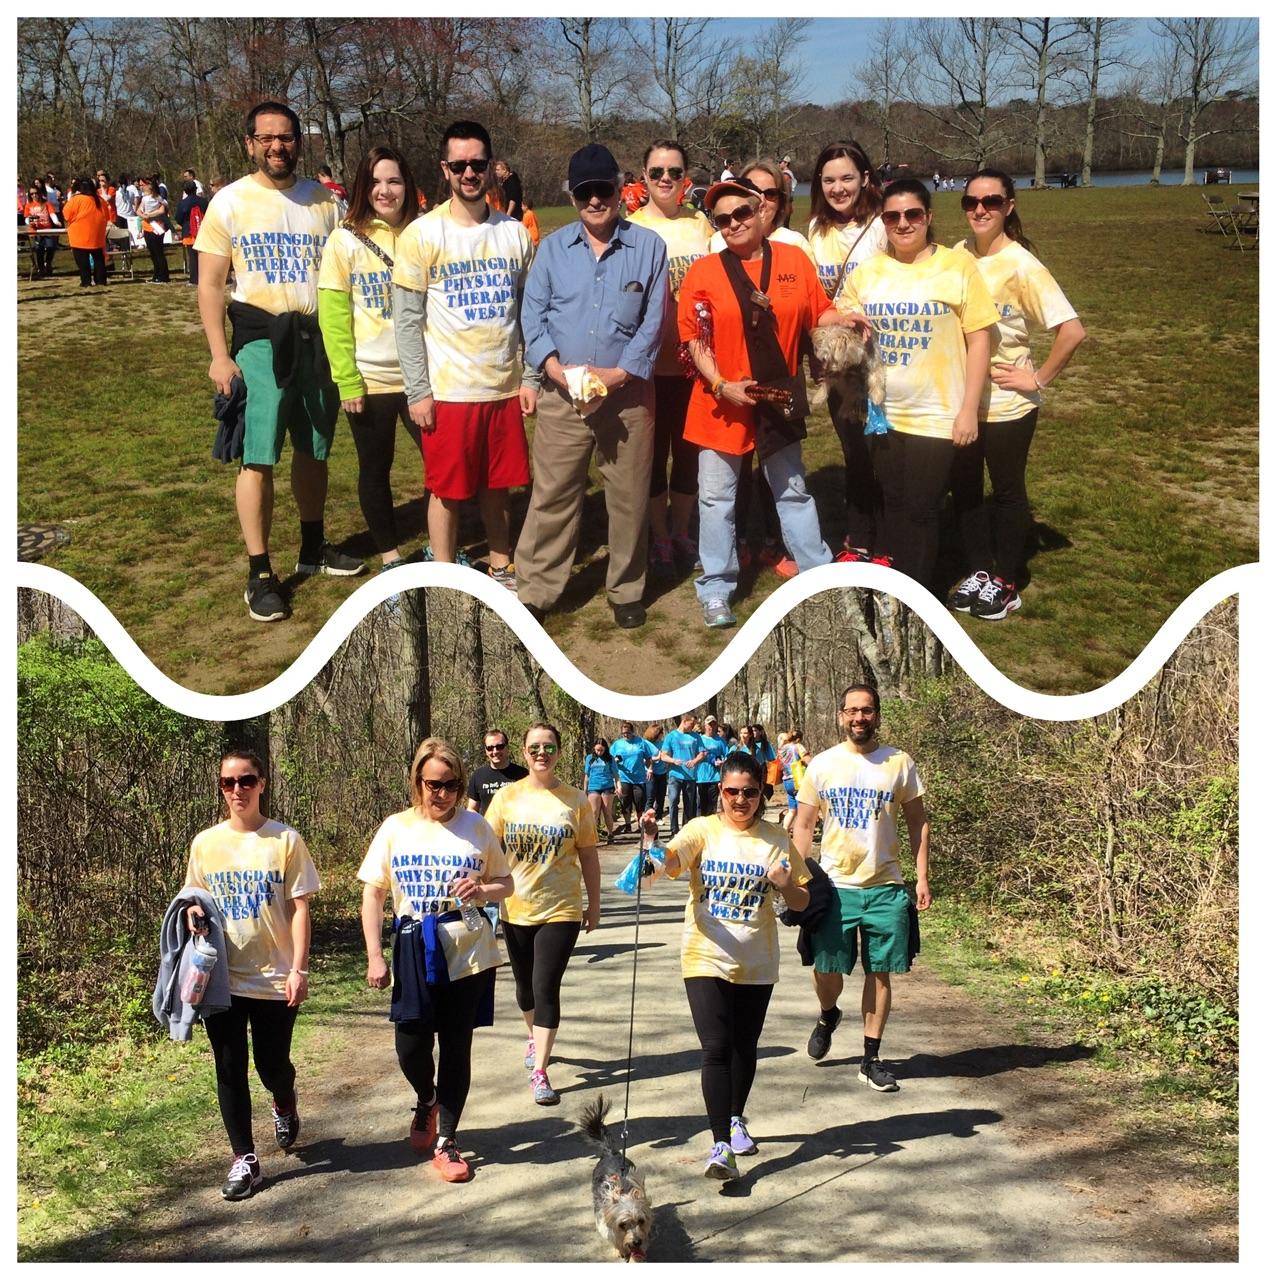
x=1033 y=95
x=1118 y=835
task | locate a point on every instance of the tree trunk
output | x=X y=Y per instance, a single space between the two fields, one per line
x=418 y=699
x=1188 y=168
x=1091 y=113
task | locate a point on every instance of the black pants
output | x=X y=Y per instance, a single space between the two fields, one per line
x=193 y=263
x=998 y=544
x=632 y=798
x=539 y=955
x=452 y=1021
x=92 y=265
x=863 y=499
x=914 y=472
x=374 y=431
x=159 y=263
x=46 y=247
x=271 y=1022
x=670 y=406
x=708 y=798
x=728 y=1017
x=750 y=493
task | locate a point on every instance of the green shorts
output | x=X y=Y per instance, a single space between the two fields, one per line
x=307 y=409
x=880 y=914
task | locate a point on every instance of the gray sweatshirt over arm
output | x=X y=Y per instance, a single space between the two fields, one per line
x=409 y=314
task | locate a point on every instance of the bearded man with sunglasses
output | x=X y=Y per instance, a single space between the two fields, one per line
x=272 y=227
x=860 y=787
x=592 y=319
x=455 y=291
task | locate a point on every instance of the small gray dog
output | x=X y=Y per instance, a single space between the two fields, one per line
x=849 y=362
x=624 y=1216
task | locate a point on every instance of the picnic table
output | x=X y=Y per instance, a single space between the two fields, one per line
x=29 y=237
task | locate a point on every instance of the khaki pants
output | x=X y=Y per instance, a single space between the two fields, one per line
x=621 y=434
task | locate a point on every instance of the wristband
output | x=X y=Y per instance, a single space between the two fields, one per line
x=1036 y=377
x=717 y=387
x=303 y=972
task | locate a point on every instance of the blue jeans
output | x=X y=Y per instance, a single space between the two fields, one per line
x=682 y=793
x=717 y=532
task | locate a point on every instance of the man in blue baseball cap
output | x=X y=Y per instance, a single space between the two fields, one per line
x=592 y=320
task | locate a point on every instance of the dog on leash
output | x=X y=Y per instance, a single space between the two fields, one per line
x=849 y=361
x=624 y=1216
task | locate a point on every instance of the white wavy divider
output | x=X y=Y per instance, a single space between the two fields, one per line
x=744 y=643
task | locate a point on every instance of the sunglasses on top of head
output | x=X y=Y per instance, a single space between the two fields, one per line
x=891 y=217
x=990 y=203
x=246 y=782
x=743 y=213
x=656 y=172
x=459 y=167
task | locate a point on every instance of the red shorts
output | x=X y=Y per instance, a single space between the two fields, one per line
x=475 y=446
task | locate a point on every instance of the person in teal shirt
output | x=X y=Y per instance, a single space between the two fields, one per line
x=708 y=772
x=682 y=749
x=763 y=751
x=631 y=757
x=600 y=781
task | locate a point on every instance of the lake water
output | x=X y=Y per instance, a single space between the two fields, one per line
x=1121 y=178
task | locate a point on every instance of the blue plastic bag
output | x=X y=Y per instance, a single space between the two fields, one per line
x=877 y=423
x=629 y=880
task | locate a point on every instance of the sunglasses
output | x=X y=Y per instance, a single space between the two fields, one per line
x=655 y=174
x=245 y=782
x=990 y=203
x=602 y=191
x=496 y=746
x=747 y=793
x=891 y=217
x=459 y=167
x=441 y=786
x=542 y=748
x=771 y=193
x=743 y=213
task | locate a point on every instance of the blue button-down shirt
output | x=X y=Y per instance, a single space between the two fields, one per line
x=580 y=308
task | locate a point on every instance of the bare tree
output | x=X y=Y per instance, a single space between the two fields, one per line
x=1046 y=49
x=1151 y=104
x=679 y=55
x=767 y=82
x=1106 y=40
x=886 y=76
x=594 y=65
x=1215 y=60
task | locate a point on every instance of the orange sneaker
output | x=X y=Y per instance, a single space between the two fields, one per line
x=422 y=1128
x=786 y=567
x=449 y=1164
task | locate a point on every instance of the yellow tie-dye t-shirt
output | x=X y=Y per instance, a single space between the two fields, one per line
x=542 y=830
x=418 y=860
x=730 y=930
x=921 y=312
x=1025 y=294
x=254 y=876
x=473 y=277
x=831 y=249
x=858 y=798
x=274 y=240
x=350 y=267
x=686 y=236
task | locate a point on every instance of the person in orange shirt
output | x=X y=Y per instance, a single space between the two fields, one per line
x=87 y=232
x=40 y=214
x=530 y=221
x=757 y=299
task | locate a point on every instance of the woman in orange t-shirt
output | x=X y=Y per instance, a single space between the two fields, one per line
x=778 y=286
x=87 y=233
x=40 y=213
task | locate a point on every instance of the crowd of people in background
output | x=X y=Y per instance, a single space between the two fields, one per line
x=661 y=334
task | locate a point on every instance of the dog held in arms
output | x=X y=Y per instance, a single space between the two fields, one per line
x=624 y=1216
x=850 y=363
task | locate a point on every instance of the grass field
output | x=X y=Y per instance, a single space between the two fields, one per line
x=1143 y=477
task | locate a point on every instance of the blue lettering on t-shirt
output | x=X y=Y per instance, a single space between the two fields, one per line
x=241 y=895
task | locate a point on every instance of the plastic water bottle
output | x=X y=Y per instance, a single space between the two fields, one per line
x=472 y=916
x=204 y=958
x=776 y=900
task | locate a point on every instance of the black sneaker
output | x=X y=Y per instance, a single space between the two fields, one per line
x=245 y=1175
x=287 y=1125
x=873 y=1074
x=820 y=1040
x=996 y=600
x=265 y=598
x=331 y=561
x=965 y=596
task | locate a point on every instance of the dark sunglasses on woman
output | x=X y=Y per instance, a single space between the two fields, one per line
x=440 y=786
x=891 y=217
x=990 y=203
x=655 y=174
x=741 y=214
x=246 y=781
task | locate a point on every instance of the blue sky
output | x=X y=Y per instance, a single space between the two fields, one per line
x=835 y=46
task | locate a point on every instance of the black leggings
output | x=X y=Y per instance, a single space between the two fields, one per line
x=749 y=494
x=914 y=472
x=193 y=263
x=272 y=1024
x=374 y=431
x=670 y=406
x=863 y=499
x=539 y=955
x=453 y=1015
x=92 y=264
x=708 y=798
x=1004 y=447
x=728 y=1017
x=632 y=798
x=159 y=263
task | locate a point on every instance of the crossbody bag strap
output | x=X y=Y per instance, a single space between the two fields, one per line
x=844 y=266
x=373 y=248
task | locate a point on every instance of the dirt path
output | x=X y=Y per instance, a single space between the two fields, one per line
x=993 y=1150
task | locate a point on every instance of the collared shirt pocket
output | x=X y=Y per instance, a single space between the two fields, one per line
x=629 y=308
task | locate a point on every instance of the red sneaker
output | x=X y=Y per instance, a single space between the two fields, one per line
x=422 y=1128
x=853 y=555
x=786 y=568
x=449 y=1164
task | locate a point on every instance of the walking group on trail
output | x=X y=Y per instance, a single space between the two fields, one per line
x=664 y=342
x=526 y=841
